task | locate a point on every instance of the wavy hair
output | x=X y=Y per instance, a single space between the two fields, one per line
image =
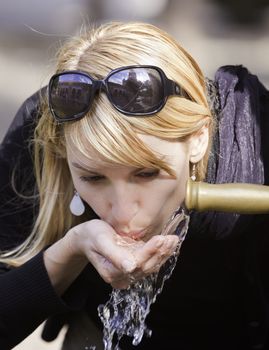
x=112 y=135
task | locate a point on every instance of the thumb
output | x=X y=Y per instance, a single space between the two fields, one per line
x=116 y=249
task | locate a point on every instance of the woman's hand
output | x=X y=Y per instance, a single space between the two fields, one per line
x=119 y=261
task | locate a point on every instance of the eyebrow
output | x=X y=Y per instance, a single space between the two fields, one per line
x=96 y=170
x=81 y=167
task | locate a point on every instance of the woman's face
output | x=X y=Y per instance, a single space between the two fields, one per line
x=135 y=202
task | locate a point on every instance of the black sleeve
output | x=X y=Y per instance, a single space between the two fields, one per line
x=27 y=297
x=17 y=206
x=26 y=300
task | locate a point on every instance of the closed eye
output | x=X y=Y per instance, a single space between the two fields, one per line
x=148 y=174
x=92 y=178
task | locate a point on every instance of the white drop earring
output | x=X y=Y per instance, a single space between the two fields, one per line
x=76 y=206
x=193 y=172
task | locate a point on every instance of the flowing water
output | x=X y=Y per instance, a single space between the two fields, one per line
x=126 y=310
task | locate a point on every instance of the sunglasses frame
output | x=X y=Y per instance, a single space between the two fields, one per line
x=170 y=88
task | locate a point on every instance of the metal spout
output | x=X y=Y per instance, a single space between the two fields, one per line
x=238 y=198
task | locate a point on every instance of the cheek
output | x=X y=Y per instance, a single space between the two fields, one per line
x=88 y=194
x=164 y=200
x=168 y=197
x=175 y=188
x=169 y=194
x=95 y=200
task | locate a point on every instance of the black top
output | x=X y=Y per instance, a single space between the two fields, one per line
x=216 y=298
x=27 y=297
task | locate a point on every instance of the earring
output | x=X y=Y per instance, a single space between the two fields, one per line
x=76 y=206
x=193 y=171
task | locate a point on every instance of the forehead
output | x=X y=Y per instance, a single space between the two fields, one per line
x=169 y=151
x=164 y=147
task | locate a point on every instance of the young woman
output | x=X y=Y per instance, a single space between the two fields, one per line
x=101 y=157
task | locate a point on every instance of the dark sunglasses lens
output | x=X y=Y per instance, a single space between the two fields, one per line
x=136 y=90
x=70 y=94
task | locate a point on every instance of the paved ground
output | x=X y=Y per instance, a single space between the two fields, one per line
x=34 y=342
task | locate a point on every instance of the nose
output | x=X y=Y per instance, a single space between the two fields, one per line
x=124 y=206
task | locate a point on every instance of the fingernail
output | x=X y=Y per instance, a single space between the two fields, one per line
x=128 y=265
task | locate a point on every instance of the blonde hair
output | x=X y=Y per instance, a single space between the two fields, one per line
x=112 y=135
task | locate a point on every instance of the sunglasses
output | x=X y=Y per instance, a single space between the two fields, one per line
x=132 y=90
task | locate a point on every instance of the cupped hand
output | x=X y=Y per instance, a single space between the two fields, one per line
x=119 y=260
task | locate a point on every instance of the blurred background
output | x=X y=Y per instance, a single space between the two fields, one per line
x=215 y=32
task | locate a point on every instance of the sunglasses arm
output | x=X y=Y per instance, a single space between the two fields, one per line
x=173 y=88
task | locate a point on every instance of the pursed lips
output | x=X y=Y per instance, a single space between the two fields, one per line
x=135 y=235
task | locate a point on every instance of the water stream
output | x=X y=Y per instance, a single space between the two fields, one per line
x=126 y=310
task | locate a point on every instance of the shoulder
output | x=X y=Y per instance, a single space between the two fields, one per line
x=231 y=71
x=21 y=129
x=27 y=114
x=17 y=146
x=238 y=78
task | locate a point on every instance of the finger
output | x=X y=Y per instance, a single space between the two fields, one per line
x=156 y=246
x=121 y=256
x=106 y=269
x=154 y=264
x=114 y=276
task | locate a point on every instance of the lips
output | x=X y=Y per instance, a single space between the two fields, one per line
x=136 y=235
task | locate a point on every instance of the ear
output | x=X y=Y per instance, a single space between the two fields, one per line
x=198 y=145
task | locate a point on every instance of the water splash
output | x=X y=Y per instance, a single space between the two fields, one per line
x=126 y=310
